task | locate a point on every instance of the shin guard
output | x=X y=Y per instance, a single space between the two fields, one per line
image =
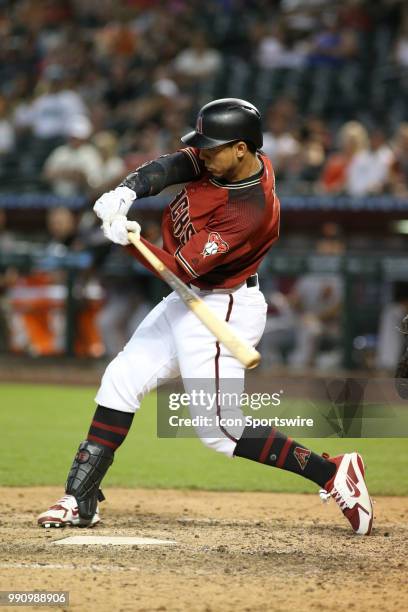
x=89 y=467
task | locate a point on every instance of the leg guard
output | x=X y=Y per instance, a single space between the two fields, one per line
x=89 y=467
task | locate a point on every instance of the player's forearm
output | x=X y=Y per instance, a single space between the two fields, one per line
x=151 y=178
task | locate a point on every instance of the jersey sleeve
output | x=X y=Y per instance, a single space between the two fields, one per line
x=154 y=176
x=228 y=236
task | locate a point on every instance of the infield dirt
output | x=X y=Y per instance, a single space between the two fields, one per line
x=235 y=552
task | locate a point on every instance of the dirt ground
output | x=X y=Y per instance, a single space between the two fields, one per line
x=234 y=552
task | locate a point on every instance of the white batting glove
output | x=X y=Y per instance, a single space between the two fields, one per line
x=117 y=229
x=116 y=202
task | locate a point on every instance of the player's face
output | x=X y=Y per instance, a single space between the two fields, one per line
x=221 y=161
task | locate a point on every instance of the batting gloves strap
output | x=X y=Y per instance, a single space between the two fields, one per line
x=117 y=229
x=116 y=202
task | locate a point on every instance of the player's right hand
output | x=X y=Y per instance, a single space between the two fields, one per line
x=118 y=227
x=116 y=202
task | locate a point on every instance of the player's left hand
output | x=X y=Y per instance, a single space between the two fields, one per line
x=115 y=202
x=118 y=227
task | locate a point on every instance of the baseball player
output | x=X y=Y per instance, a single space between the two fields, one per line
x=216 y=232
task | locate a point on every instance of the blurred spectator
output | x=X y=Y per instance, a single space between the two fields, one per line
x=8 y=277
x=126 y=303
x=63 y=231
x=399 y=169
x=7 y=133
x=61 y=226
x=302 y=16
x=118 y=39
x=304 y=326
x=333 y=45
x=75 y=167
x=339 y=173
x=303 y=168
x=316 y=300
x=279 y=143
x=390 y=342
x=173 y=125
x=276 y=50
x=382 y=160
x=369 y=170
x=56 y=105
x=401 y=45
x=314 y=140
x=199 y=61
x=124 y=308
x=113 y=167
x=143 y=146
x=356 y=14
x=121 y=86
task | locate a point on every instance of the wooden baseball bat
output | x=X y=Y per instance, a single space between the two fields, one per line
x=244 y=352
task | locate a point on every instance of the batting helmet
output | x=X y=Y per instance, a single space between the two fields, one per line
x=223 y=121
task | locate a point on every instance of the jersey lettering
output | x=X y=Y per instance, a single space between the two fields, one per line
x=183 y=229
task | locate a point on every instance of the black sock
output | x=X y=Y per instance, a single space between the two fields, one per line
x=110 y=427
x=274 y=448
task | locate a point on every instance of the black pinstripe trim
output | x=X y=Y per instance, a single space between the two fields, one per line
x=234 y=186
x=193 y=160
x=185 y=264
x=217 y=370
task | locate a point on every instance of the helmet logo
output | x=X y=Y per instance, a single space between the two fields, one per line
x=214 y=245
x=199 y=124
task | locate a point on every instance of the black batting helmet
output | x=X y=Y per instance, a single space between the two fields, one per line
x=223 y=121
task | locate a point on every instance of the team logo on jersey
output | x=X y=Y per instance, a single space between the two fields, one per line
x=215 y=244
x=302 y=456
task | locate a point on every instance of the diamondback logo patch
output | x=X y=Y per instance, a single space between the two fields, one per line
x=215 y=244
x=302 y=456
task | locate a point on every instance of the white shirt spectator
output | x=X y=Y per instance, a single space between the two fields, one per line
x=112 y=168
x=73 y=167
x=368 y=171
x=401 y=51
x=273 y=54
x=279 y=147
x=7 y=136
x=84 y=159
x=52 y=113
x=318 y=292
x=198 y=64
x=23 y=115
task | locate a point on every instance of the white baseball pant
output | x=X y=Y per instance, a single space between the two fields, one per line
x=172 y=342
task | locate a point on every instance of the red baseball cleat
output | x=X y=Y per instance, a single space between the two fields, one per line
x=65 y=512
x=349 y=490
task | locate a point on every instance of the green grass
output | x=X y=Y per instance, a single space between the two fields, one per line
x=41 y=427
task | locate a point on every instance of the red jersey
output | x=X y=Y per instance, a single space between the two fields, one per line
x=215 y=233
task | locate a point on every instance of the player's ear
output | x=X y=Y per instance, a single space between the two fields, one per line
x=241 y=149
